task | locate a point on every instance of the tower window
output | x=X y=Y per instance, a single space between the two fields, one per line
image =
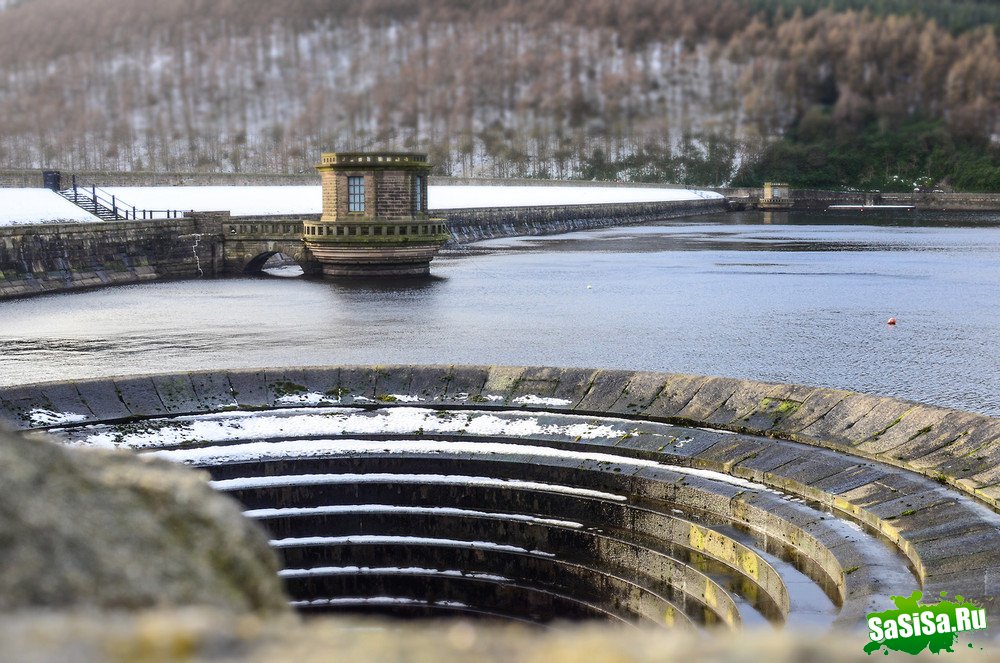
x=355 y=194
x=418 y=193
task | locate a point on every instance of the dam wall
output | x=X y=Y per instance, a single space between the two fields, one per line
x=945 y=202
x=46 y=258
x=470 y=225
x=819 y=199
x=37 y=259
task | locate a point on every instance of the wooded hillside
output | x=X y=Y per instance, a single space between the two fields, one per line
x=697 y=91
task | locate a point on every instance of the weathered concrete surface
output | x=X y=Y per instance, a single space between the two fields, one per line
x=60 y=257
x=221 y=638
x=958 y=448
x=114 y=531
x=860 y=456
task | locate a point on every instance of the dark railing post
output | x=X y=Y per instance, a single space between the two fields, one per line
x=74 y=185
x=114 y=206
x=93 y=196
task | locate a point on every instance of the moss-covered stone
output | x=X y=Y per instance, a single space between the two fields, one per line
x=113 y=530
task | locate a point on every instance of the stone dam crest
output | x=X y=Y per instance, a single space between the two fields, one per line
x=374 y=222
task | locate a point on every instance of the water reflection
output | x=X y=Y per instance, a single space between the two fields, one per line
x=387 y=285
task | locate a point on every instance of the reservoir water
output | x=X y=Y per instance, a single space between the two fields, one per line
x=801 y=299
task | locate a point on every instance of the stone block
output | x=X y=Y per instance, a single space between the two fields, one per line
x=140 y=396
x=606 y=388
x=176 y=393
x=93 y=529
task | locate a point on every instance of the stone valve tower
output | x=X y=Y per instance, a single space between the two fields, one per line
x=375 y=220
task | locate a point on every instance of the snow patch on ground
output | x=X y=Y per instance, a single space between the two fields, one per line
x=252 y=483
x=43 y=417
x=405 y=398
x=386 y=570
x=463 y=197
x=311 y=398
x=239 y=200
x=254 y=451
x=291 y=512
x=378 y=540
x=540 y=400
x=374 y=600
x=43 y=206
x=29 y=206
x=396 y=420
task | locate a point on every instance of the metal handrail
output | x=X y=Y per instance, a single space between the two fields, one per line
x=120 y=209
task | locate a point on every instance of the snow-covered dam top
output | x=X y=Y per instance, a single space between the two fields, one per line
x=20 y=206
x=28 y=206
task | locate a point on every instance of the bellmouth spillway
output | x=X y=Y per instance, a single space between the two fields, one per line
x=546 y=494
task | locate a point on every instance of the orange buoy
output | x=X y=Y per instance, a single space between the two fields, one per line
x=891 y=321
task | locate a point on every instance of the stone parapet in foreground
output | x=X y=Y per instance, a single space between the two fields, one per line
x=204 y=636
x=113 y=531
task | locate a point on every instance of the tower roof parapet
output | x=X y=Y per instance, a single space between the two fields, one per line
x=373 y=160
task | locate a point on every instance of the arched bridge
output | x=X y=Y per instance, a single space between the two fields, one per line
x=248 y=242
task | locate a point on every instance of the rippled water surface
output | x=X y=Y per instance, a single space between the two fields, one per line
x=801 y=299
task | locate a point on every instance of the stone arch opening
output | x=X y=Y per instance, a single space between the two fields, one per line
x=274 y=263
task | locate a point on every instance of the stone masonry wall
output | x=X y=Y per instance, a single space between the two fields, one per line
x=808 y=199
x=986 y=202
x=59 y=257
x=51 y=258
x=328 y=181
x=395 y=194
x=818 y=200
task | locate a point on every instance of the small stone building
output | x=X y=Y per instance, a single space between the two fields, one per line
x=375 y=220
x=776 y=196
